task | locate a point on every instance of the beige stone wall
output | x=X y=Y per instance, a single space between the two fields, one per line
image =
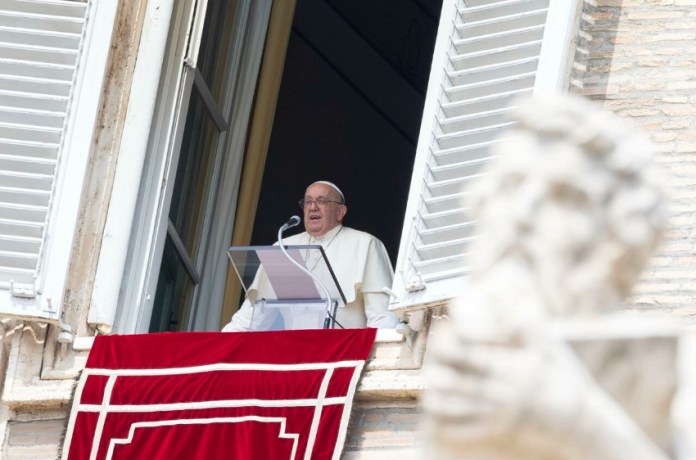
x=639 y=58
x=35 y=436
x=383 y=430
x=33 y=411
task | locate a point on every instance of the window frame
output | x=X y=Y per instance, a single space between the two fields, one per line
x=131 y=158
x=133 y=243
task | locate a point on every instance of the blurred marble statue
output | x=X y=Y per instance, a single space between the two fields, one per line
x=568 y=214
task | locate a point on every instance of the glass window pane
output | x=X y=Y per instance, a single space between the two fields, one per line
x=174 y=293
x=215 y=51
x=193 y=175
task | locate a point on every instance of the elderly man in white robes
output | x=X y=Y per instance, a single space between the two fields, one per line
x=359 y=261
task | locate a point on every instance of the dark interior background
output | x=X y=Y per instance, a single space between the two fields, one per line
x=349 y=111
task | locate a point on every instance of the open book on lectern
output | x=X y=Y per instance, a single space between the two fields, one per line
x=270 y=278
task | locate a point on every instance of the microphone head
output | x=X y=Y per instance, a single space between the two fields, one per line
x=294 y=220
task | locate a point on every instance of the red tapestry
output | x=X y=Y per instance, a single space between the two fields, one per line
x=209 y=395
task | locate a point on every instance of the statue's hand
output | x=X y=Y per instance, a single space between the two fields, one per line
x=534 y=397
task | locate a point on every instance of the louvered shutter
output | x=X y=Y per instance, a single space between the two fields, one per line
x=487 y=53
x=41 y=45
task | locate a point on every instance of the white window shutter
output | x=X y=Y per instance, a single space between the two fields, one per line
x=42 y=61
x=487 y=53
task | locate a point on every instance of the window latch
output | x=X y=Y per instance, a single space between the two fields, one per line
x=415 y=284
x=23 y=291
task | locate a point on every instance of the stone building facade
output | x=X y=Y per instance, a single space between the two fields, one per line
x=634 y=56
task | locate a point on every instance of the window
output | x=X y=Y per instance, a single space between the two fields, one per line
x=185 y=199
x=181 y=211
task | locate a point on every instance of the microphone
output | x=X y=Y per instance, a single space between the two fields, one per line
x=293 y=222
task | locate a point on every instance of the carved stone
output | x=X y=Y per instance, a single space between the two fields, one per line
x=567 y=216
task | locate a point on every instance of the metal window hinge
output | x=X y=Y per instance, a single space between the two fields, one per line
x=23 y=291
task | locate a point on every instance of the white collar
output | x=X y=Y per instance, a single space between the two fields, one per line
x=328 y=236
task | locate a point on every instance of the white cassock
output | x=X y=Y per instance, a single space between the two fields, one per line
x=362 y=268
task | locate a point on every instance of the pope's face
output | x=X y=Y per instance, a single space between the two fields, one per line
x=320 y=219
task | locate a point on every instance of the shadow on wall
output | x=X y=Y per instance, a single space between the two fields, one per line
x=594 y=51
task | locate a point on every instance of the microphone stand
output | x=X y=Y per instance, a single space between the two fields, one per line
x=294 y=220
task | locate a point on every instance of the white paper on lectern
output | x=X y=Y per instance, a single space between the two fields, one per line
x=288 y=281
